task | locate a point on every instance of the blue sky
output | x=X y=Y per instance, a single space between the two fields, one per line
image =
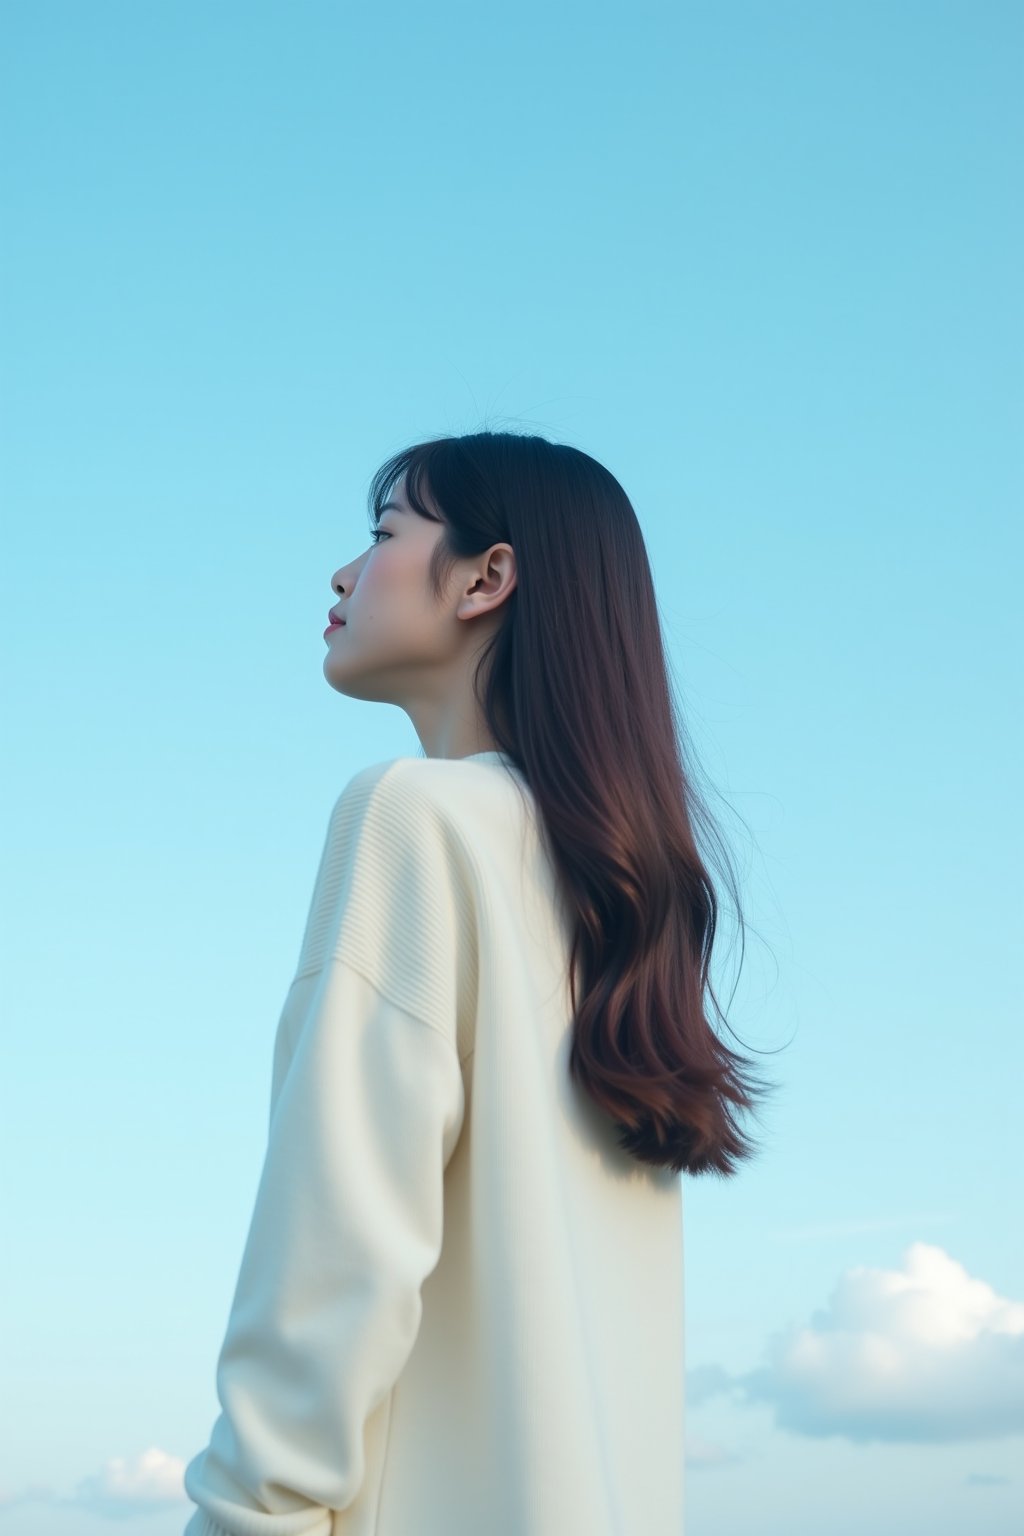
x=763 y=261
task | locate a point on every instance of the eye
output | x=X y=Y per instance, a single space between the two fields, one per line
x=376 y=534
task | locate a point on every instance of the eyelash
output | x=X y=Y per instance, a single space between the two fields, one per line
x=378 y=533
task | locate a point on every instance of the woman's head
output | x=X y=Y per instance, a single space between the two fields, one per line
x=415 y=619
x=453 y=522
x=513 y=607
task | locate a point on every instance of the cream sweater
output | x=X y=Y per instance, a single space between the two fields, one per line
x=459 y=1310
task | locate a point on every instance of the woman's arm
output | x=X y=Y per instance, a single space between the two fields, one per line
x=347 y=1226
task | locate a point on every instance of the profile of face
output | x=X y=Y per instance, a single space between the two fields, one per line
x=399 y=644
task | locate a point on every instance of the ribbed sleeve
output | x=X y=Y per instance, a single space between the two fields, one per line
x=347 y=1225
x=394 y=896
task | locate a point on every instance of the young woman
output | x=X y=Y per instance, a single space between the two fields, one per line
x=460 y=1305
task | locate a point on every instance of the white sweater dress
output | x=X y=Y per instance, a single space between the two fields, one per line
x=459 y=1310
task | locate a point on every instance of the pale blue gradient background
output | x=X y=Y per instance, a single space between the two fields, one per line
x=764 y=261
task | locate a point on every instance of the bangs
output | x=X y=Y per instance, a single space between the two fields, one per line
x=414 y=463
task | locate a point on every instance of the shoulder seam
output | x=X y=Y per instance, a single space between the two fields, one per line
x=334 y=959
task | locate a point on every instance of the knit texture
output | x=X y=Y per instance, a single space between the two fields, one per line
x=459 y=1307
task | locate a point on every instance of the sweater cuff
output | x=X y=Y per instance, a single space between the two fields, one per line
x=202 y=1525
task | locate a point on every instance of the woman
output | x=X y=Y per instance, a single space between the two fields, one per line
x=460 y=1305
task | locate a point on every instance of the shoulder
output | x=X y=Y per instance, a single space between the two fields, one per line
x=417 y=797
x=387 y=798
x=397 y=827
x=403 y=888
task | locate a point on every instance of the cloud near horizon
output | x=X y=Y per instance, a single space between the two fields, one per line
x=924 y=1353
x=123 y=1489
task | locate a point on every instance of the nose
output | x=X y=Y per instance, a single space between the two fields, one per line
x=344 y=579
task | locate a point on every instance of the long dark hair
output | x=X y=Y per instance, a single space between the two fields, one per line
x=577 y=694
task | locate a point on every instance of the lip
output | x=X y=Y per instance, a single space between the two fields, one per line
x=332 y=627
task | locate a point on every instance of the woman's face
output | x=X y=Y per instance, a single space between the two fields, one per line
x=392 y=624
x=402 y=645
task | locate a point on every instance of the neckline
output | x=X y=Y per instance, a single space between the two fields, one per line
x=496 y=759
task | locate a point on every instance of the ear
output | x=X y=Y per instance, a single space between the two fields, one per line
x=493 y=578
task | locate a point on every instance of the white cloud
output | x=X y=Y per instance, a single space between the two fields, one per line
x=123 y=1488
x=923 y=1353
x=135 y=1483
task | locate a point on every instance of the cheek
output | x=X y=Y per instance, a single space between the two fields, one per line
x=392 y=586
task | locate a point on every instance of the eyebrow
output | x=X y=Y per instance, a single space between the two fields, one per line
x=391 y=506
